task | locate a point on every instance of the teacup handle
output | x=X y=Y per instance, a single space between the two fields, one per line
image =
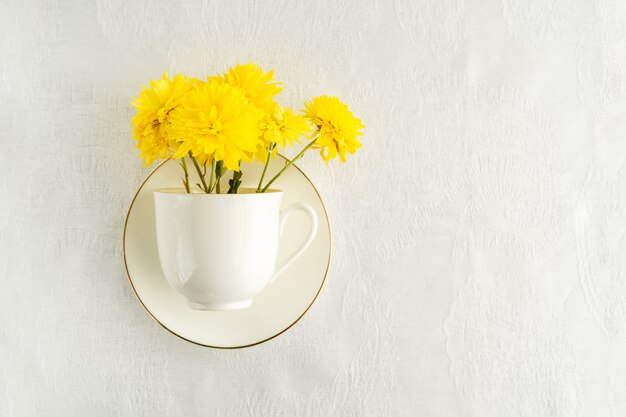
x=280 y=268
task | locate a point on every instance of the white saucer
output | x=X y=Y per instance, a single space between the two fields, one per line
x=273 y=311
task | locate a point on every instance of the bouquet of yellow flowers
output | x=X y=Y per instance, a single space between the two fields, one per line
x=233 y=118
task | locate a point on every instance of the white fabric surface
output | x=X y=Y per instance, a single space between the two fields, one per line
x=479 y=253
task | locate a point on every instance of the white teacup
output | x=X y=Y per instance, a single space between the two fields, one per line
x=219 y=250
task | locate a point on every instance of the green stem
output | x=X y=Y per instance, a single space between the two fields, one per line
x=267 y=162
x=195 y=164
x=211 y=179
x=289 y=164
x=235 y=182
x=219 y=172
x=186 y=179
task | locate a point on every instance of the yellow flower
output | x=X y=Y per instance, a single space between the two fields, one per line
x=281 y=127
x=336 y=126
x=154 y=106
x=216 y=121
x=259 y=87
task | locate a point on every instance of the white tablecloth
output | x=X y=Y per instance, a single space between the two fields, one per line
x=479 y=253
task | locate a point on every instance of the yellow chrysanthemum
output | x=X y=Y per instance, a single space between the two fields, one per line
x=154 y=106
x=216 y=121
x=282 y=127
x=336 y=126
x=259 y=87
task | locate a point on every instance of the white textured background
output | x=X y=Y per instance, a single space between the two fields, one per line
x=479 y=235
